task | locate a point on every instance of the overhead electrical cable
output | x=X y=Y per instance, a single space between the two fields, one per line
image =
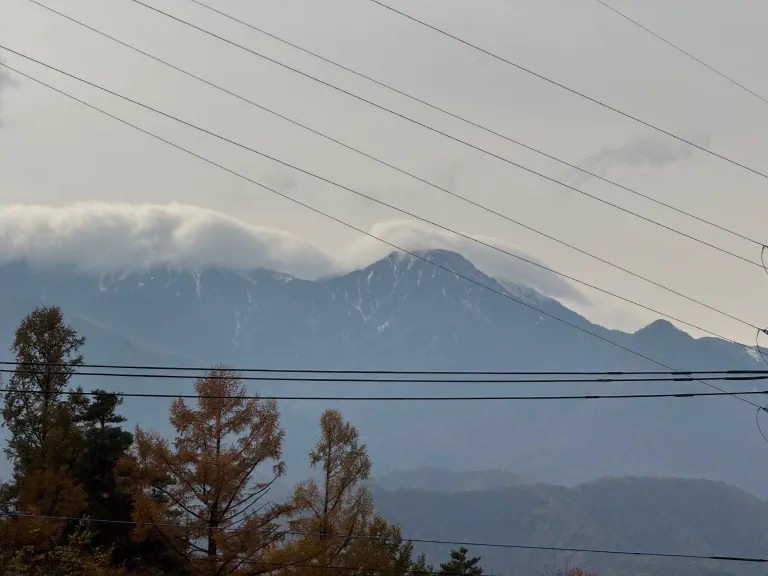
x=169 y=369
x=415 y=255
x=376 y=200
x=433 y=185
x=449 y=136
x=465 y=120
x=676 y=47
x=518 y=398
x=757 y=421
x=567 y=88
x=26 y=369
x=726 y=558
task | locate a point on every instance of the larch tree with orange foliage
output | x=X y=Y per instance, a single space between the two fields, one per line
x=205 y=480
x=337 y=530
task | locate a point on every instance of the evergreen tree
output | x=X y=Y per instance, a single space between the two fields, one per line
x=459 y=565
x=45 y=439
x=47 y=351
x=104 y=443
x=64 y=451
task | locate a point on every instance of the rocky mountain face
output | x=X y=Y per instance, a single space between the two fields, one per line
x=404 y=313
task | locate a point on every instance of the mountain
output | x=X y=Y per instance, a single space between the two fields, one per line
x=404 y=313
x=445 y=480
x=693 y=517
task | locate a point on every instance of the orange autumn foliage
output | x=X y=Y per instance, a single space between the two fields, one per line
x=205 y=478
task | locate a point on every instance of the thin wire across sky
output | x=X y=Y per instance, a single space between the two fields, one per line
x=676 y=47
x=441 y=132
x=331 y=377
x=404 y=211
x=326 y=371
x=459 y=117
x=409 y=174
x=356 y=192
x=472 y=544
x=559 y=85
x=491 y=289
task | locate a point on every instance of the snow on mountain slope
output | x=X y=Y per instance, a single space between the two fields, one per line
x=403 y=313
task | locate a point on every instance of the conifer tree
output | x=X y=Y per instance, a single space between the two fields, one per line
x=206 y=478
x=47 y=351
x=460 y=565
x=337 y=529
x=45 y=439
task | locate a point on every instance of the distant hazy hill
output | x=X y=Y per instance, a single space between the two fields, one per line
x=444 y=480
x=403 y=313
x=642 y=514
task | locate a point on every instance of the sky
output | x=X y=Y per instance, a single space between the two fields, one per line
x=80 y=187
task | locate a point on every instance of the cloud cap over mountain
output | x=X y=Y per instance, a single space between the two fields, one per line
x=102 y=238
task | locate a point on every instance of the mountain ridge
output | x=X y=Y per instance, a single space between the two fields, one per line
x=401 y=313
x=641 y=514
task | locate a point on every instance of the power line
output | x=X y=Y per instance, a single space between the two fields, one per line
x=449 y=136
x=358 y=151
x=465 y=120
x=402 y=398
x=386 y=372
x=377 y=201
x=733 y=378
x=670 y=44
x=757 y=422
x=414 y=540
x=415 y=255
x=564 y=87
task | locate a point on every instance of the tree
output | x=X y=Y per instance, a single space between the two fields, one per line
x=337 y=511
x=104 y=443
x=206 y=479
x=46 y=351
x=75 y=556
x=64 y=451
x=459 y=565
x=382 y=550
x=44 y=438
x=333 y=512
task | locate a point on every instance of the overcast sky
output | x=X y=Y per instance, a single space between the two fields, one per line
x=55 y=153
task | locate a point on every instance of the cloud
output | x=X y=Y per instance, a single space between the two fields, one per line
x=283 y=180
x=101 y=238
x=414 y=236
x=647 y=150
x=104 y=238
